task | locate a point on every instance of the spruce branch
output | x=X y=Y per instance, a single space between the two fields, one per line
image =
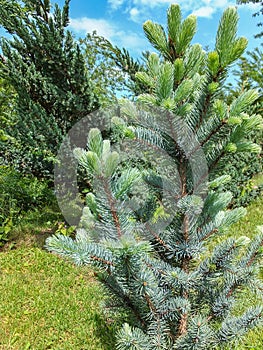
x=157 y=199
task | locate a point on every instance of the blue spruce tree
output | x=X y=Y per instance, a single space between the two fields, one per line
x=156 y=202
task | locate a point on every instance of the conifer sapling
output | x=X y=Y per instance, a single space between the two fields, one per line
x=155 y=202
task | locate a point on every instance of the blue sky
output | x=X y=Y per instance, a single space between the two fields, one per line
x=121 y=20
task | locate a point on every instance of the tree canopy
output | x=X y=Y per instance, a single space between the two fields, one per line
x=256 y=14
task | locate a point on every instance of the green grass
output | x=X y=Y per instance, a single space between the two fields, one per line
x=247 y=225
x=34 y=227
x=48 y=303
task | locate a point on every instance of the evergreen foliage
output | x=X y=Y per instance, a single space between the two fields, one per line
x=7 y=97
x=180 y=291
x=251 y=70
x=120 y=66
x=246 y=168
x=258 y=13
x=46 y=68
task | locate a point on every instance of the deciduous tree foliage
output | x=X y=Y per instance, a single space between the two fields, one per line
x=178 y=285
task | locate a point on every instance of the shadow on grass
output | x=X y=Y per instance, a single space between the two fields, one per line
x=105 y=331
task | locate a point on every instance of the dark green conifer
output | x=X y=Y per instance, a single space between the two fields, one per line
x=45 y=66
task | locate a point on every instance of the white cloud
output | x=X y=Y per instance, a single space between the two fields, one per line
x=205 y=11
x=250 y=6
x=88 y=25
x=134 y=14
x=222 y=3
x=132 y=41
x=115 y=4
x=202 y=6
x=153 y=3
x=186 y=4
x=112 y=32
x=134 y=11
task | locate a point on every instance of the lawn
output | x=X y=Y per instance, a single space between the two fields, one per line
x=47 y=303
